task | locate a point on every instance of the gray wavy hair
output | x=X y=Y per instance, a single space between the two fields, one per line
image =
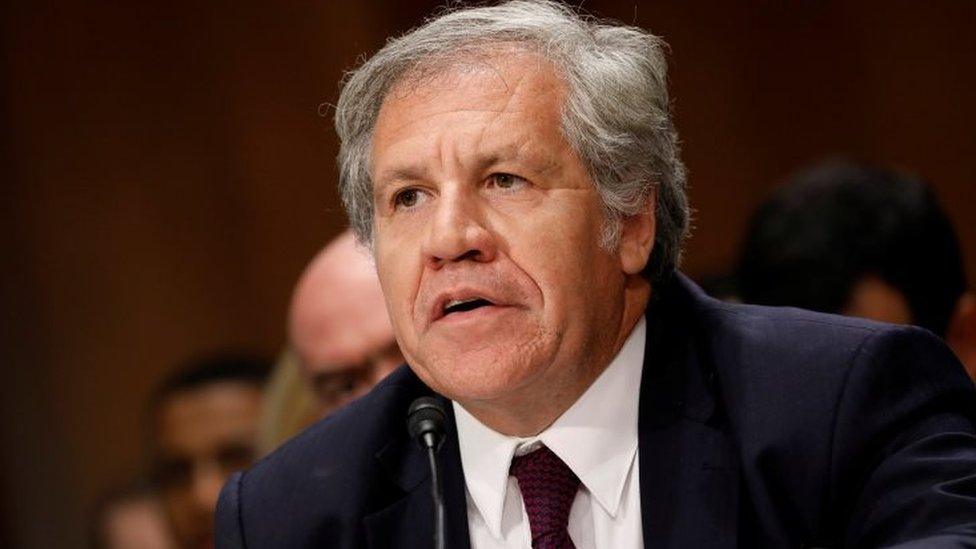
x=617 y=114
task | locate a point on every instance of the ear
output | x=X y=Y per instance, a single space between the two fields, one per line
x=637 y=238
x=961 y=335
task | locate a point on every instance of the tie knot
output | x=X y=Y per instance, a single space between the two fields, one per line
x=548 y=489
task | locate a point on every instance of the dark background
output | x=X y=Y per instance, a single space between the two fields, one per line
x=168 y=169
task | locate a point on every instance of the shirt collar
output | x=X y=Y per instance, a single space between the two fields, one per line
x=601 y=463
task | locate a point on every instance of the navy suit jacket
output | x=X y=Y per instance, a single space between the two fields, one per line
x=758 y=427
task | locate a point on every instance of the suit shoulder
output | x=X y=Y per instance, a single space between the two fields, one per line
x=790 y=340
x=829 y=414
x=787 y=341
x=776 y=360
x=762 y=323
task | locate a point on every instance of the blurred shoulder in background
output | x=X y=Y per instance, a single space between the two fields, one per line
x=131 y=518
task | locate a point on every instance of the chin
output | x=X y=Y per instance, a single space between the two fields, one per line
x=486 y=373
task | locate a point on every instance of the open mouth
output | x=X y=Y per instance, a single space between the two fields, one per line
x=464 y=305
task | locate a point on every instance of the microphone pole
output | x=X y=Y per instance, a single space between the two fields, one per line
x=426 y=423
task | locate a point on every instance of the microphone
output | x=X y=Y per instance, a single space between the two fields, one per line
x=426 y=423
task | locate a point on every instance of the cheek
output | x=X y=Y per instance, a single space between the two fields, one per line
x=559 y=246
x=398 y=268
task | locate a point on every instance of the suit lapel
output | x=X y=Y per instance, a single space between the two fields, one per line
x=408 y=520
x=689 y=479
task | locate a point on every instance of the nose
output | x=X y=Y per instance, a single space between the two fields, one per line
x=458 y=231
x=207 y=482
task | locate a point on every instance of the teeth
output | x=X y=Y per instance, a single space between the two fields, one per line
x=456 y=302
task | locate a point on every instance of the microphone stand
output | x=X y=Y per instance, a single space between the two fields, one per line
x=436 y=496
x=426 y=422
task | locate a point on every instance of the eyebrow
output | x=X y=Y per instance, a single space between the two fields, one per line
x=539 y=164
x=412 y=172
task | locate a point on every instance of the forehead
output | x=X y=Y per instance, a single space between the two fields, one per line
x=341 y=318
x=345 y=340
x=471 y=79
x=521 y=88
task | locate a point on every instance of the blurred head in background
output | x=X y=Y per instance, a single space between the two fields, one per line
x=854 y=240
x=338 y=325
x=203 y=421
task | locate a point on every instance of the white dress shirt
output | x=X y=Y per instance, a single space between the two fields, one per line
x=596 y=437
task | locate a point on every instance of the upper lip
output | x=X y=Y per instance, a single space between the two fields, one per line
x=443 y=299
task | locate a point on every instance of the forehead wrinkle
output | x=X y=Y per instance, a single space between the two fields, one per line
x=407 y=172
x=444 y=78
x=512 y=150
x=513 y=86
x=555 y=86
x=417 y=170
x=516 y=148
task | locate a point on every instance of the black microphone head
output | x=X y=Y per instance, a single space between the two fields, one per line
x=427 y=422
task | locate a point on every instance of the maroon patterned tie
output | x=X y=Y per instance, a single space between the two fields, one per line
x=548 y=489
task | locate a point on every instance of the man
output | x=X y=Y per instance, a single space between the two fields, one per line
x=338 y=325
x=855 y=240
x=203 y=422
x=340 y=342
x=516 y=173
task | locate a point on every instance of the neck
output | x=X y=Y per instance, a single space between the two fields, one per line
x=539 y=404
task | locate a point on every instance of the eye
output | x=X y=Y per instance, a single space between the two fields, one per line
x=407 y=198
x=506 y=181
x=235 y=456
x=174 y=472
x=334 y=387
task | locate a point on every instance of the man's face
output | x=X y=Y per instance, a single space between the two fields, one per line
x=204 y=434
x=487 y=236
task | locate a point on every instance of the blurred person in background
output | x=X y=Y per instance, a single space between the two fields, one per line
x=131 y=518
x=338 y=325
x=289 y=404
x=859 y=241
x=340 y=342
x=203 y=426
